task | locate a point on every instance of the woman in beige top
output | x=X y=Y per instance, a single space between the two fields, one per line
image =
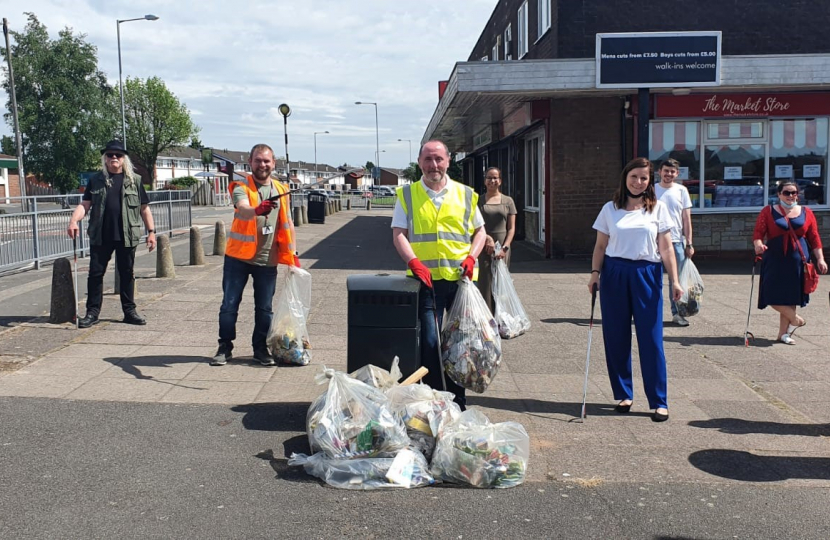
x=499 y=213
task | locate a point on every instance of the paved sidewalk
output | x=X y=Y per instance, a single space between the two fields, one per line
x=737 y=414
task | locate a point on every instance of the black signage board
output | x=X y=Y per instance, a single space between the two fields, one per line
x=658 y=59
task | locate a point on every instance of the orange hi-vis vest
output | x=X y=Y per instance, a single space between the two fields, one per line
x=242 y=238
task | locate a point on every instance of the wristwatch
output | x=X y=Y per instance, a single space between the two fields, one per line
x=505 y=248
x=151 y=231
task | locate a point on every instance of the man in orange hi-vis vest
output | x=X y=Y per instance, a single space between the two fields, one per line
x=261 y=237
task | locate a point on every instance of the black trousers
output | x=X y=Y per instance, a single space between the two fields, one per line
x=98 y=261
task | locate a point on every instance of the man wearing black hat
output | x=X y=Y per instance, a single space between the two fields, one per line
x=117 y=204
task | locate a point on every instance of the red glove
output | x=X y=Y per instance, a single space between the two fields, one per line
x=467 y=266
x=297 y=261
x=421 y=272
x=265 y=207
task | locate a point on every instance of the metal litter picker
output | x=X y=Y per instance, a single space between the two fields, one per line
x=75 y=275
x=747 y=333
x=588 y=359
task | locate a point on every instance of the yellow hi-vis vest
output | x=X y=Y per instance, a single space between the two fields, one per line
x=441 y=239
x=242 y=237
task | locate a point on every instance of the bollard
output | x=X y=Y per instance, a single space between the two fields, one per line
x=63 y=293
x=368 y=204
x=339 y=205
x=305 y=214
x=348 y=204
x=326 y=209
x=197 y=252
x=164 y=259
x=298 y=216
x=219 y=238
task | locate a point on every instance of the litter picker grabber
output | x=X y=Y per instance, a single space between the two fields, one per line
x=75 y=275
x=582 y=414
x=438 y=337
x=747 y=333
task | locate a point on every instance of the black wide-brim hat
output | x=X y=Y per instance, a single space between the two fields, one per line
x=115 y=146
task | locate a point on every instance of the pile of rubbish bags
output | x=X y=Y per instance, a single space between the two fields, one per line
x=366 y=437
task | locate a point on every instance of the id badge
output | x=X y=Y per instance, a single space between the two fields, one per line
x=267 y=230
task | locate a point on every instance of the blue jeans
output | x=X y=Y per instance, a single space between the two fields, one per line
x=234 y=278
x=430 y=355
x=680 y=259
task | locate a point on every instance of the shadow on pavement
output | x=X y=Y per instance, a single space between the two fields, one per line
x=531 y=406
x=14 y=320
x=718 y=341
x=748 y=467
x=274 y=416
x=280 y=464
x=737 y=426
x=134 y=364
x=571 y=320
x=364 y=243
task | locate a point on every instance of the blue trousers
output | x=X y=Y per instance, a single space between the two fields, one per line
x=633 y=289
x=234 y=278
x=430 y=355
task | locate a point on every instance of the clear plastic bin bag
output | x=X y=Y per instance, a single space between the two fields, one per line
x=353 y=420
x=510 y=314
x=378 y=377
x=692 y=284
x=288 y=335
x=424 y=412
x=408 y=469
x=475 y=452
x=470 y=342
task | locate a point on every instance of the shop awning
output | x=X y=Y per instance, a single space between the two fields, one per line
x=480 y=94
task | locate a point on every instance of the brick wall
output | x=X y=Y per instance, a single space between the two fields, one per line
x=506 y=12
x=756 y=27
x=719 y=234
x=585 y=167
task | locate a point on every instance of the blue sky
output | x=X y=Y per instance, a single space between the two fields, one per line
x=233 y=63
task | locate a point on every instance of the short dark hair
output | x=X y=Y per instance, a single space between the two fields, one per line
x=259 y=148
x=446 y=149
x=785 y=183
x=671 y=162
x=621 y=195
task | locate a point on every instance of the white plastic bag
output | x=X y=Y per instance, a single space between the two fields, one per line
x=408 y=469
x=424 y=412
x=509 y=313
x=353 y=420
x=288 y=336
x=470 y=342
x=692 y=284
x=474 y=451
x=377 y=377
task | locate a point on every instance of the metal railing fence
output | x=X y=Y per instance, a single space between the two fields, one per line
x=32 y=237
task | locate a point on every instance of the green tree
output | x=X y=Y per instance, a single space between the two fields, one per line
x=195 y=143
x=455 y=171
x=412 y=172
x=64 y=103
x=7 y=146
x=369 y=166
x=156 y=121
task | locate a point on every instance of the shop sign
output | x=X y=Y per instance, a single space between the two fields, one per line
x=733 y=173
x=812 y=171
x=658 y=59
x=783 y=171
x=742 y=105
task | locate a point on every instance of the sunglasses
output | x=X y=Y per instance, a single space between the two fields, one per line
x=789 y=193
x=114 y=155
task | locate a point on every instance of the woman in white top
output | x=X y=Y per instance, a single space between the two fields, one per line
x=633 y=243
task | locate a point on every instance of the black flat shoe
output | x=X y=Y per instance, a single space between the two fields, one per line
x=659 y=417
x=87 y=321
x=134 y=318
x=623 y=409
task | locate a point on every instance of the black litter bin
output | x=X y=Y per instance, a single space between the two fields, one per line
x=317 y=208
x=383 y=322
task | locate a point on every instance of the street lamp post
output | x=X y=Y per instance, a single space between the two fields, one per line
x=377 y=133
x=285 y=111
x=120 y=83
x=316 y=179
x=410 y=149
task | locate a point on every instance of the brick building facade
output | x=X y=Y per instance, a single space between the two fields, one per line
x=526 y=101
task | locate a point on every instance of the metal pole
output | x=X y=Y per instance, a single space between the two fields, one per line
x=121 y=89
x=17 y=136
x=316 y=174
x=377 y=142
x=35 y=234
x=287 y=166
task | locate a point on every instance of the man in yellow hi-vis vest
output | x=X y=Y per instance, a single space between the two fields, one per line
x=438 y=231
x=261 y=236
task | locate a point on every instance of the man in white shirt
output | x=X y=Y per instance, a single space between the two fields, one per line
x=676 y=197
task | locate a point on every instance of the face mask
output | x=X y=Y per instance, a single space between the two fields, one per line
x=785 y=204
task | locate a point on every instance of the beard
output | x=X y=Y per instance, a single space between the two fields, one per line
x=262 y=174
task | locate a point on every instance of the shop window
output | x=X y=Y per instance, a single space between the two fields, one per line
x=522 y=30
x=734 y=175
x=534 y=154
x=798 y=151
x=735 y=130
x=508 y=42
x=680 y=141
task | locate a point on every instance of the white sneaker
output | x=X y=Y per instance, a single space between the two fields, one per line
x=679 y=320
x=785 y=338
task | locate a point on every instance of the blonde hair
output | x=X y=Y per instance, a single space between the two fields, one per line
x=127 y=168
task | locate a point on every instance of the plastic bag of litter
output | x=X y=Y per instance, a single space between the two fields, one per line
x=353 y=420
x=288 y=336
x=470 y=342
x=692 y=284
x=408 y=469
x=424 y=412
x=474 y=451
x=378 y=377
x=510 y=315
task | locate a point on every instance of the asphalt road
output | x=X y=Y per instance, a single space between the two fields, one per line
x=73 y=469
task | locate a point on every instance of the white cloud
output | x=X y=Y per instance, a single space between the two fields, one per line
x=234 y=63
